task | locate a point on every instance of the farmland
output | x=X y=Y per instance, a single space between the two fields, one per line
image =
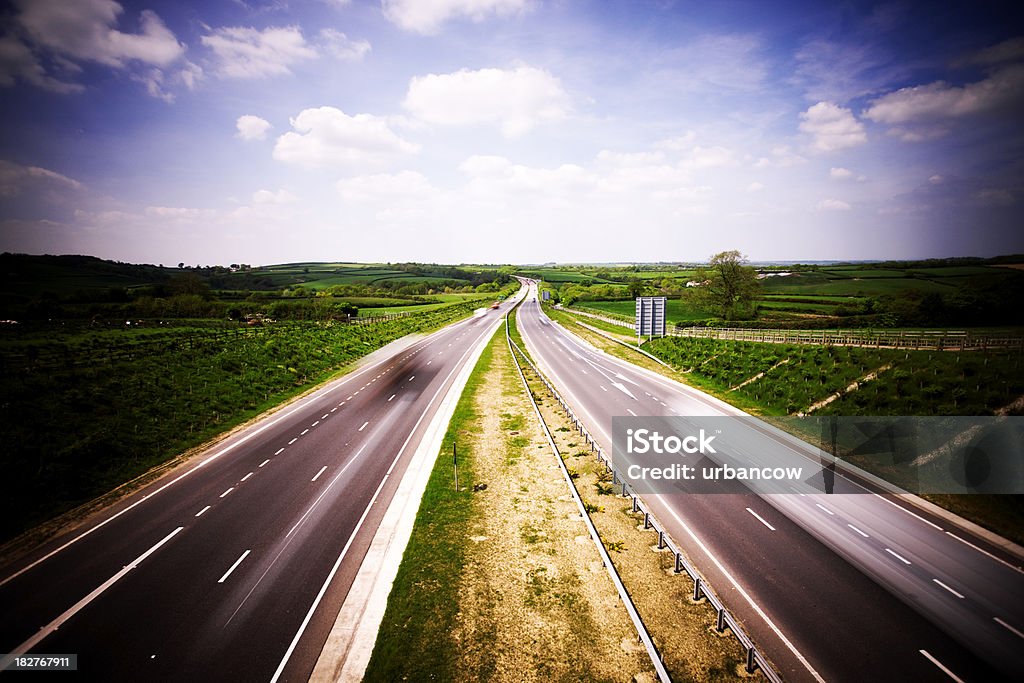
x=958 y=292
x=85 y=408
x=793 y=378
x=46 y=287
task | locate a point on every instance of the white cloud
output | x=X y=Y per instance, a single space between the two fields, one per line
x=709 y=157
x=15 y=179
x=329 y=136
x=714 y=62
x=498 y=179
x=994 y=196
x=678 y=143
x=18 y=63
x=755 y=187
x=833 y=205
x=832 y=127
x=62 y=34
x=84 y=30
x=252 y=127
x=781 y=157
x=242 y=52
x=172 y=213
x=427 y=16
x=268 y=197
x=629 y=159
x=340 y=46
x=1011 y=50
x=924 y=112
x=385 y=187
x=515 y=99
x=840 y=173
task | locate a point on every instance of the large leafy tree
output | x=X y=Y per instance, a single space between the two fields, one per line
x=729 y=286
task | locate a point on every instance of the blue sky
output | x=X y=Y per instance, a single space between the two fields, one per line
x=510 y=130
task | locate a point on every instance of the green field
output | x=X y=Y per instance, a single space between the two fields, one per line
x=83 y=410
x=918 y=382
x=675 y=310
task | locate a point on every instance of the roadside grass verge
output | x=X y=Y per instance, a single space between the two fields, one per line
x=83 y=411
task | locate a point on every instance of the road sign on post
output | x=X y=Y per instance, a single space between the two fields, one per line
x=545 y=295
x=650 y=317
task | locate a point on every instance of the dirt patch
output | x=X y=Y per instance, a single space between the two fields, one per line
x=532 y=607
x=683 y=630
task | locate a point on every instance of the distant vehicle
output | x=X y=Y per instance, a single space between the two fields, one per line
x=496 y=304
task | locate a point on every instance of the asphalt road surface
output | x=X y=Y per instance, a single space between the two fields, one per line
x=212 y=572
x=830 y=587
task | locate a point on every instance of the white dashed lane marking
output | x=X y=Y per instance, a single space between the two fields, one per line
x=234 y=566
x=897 y=556
x=949 y=589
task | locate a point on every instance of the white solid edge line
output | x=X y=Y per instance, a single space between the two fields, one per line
x=352 y=536
x=746 y=596
x=761 y=519
x=941 y=666
x=78 y=606
x=302 y=404
x=462 y=366
x=1002 y=623
x=985 y=552
x=234 y=566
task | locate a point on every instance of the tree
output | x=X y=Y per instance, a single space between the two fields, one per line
x=635 y=287
x=730 y=285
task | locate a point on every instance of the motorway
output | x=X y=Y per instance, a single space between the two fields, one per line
x=235 y=566
x=830 y=587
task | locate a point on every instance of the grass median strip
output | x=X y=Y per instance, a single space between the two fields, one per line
x=502 y=583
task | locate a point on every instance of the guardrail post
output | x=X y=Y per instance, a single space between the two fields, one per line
x=661 y=540
x=624 y=494
x=647 y=520
x=751 y=664
x=679 y=562
x=696 y=589
x=636 y=505
x=720 y=626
